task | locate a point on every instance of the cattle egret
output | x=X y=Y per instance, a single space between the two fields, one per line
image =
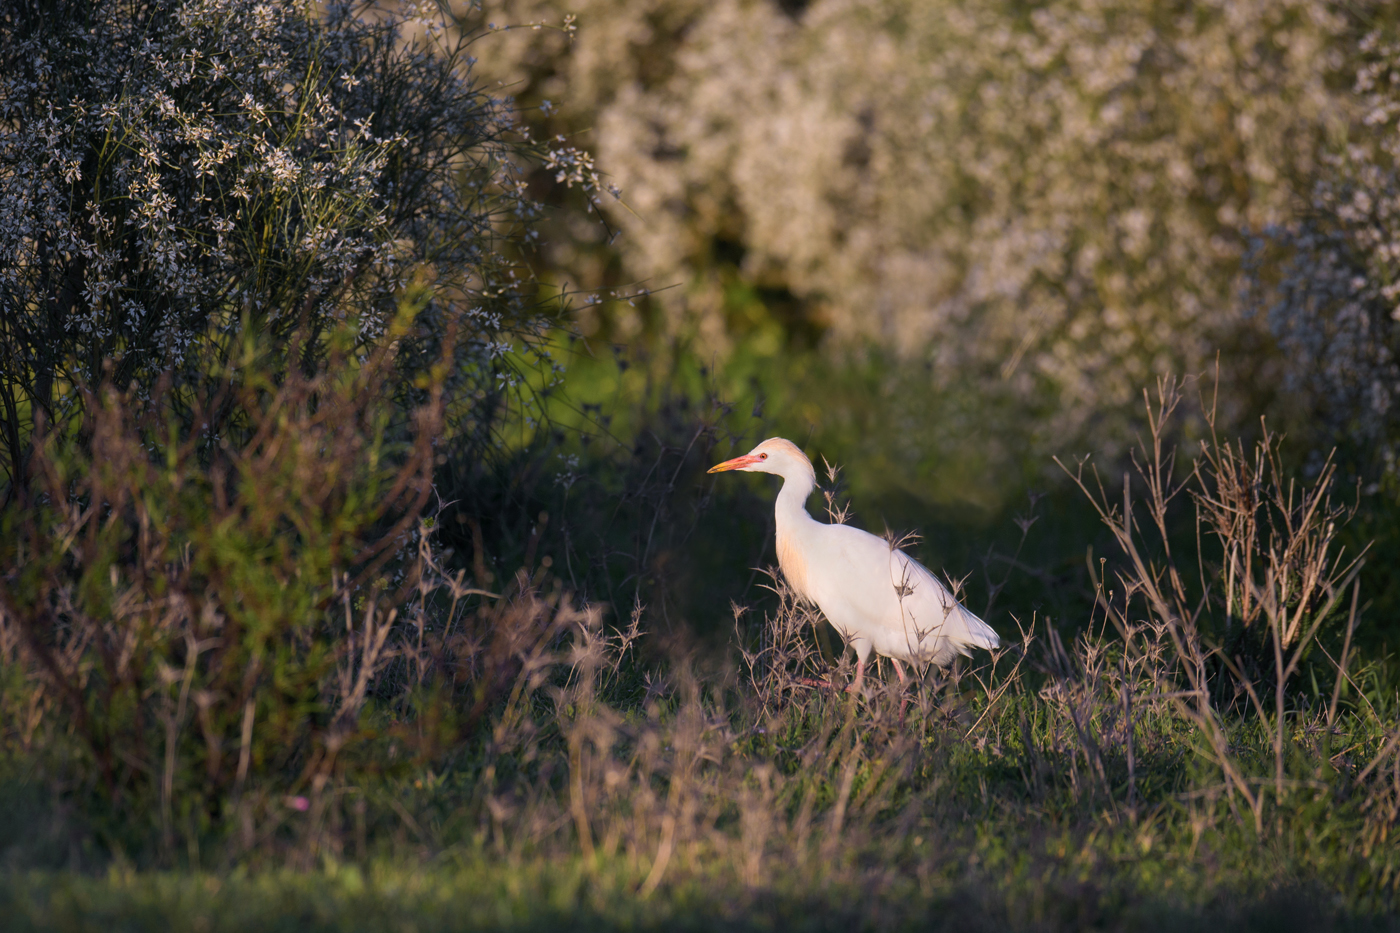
x=879 y=598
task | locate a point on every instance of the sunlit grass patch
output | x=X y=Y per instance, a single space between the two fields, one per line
x=1002 y=881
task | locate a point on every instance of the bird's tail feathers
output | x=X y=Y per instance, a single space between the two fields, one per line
x=978 y=634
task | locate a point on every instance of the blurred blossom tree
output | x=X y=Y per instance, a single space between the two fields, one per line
x=1328 y=285
x=178 y=174
x=1043 y=203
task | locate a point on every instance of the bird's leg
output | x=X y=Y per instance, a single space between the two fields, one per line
x=860 y=676
x=903 y=683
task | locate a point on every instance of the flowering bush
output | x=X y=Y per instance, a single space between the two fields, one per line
x=1043 y=203
x=258 y=268
x=180 y=172
x=1334 y=300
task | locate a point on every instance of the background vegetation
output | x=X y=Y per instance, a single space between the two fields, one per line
x=357 y=565
x=942 y=243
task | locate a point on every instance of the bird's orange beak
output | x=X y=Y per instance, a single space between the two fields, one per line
x=736 y=464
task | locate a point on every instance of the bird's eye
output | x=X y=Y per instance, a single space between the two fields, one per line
x=763 y=456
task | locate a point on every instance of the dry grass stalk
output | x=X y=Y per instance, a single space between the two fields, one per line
x=1281 y=573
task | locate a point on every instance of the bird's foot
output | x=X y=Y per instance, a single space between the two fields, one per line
x=860 y=678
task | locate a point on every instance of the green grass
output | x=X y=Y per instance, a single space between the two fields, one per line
x=996 y=879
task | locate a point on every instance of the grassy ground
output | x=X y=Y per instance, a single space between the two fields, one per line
x=1002 y=866
x=475 y=893
x=977 y=810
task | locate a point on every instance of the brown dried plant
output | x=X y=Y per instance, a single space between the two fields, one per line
x=211 y=612
x=1281 y=577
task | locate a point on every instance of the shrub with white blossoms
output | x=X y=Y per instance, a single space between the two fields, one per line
x=1042 y=201
x=175 y=171
x=1335 y=305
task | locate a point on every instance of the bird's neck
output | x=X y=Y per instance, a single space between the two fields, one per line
x=791 y=508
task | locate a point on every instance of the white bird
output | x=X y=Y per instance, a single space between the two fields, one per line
x=876 y=596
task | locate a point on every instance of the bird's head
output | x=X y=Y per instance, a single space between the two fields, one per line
x=774 y=455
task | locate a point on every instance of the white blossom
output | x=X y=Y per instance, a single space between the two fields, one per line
x=227 y=163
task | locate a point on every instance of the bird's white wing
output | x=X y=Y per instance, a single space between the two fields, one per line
x=937 y=613
x=879 y=595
